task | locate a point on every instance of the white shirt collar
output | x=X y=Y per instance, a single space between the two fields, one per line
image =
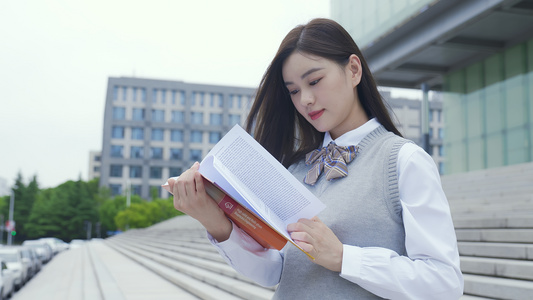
x=353 y=137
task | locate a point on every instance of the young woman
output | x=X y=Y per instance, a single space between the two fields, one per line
x=386 y=231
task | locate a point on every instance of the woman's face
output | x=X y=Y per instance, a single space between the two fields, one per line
x=324 y=93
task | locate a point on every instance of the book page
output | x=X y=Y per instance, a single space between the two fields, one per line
x=261 y=180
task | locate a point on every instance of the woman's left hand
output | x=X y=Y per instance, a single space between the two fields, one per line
x=319 y=241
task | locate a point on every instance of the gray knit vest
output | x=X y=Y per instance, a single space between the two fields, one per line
x=363 y=209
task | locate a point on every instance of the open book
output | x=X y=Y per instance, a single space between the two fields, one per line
x=240 y=167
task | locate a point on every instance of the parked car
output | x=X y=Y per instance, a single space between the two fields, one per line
x=14 y=261
x=42 y=249
x=7 y=282
x=56 y=244
x=32 y=262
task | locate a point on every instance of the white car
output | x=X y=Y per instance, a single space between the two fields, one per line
x=56 y=244
x=18 y=265
x=42 y=249
x=7 y=282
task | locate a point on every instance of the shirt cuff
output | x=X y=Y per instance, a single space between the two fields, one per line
x=237 y=239
x=352 y=257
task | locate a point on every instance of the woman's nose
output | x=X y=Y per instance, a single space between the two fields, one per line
x=307 y=98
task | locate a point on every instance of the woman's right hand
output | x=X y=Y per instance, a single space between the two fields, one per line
x=191 y=198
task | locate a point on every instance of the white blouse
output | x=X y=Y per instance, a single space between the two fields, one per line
x=429 y=271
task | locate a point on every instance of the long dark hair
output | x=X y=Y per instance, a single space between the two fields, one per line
x=273 y=119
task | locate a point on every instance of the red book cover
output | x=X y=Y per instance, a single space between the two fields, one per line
x=246 y=220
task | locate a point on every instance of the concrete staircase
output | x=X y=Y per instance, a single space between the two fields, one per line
x=492 y=212
x=178 y=251
x=493 y=216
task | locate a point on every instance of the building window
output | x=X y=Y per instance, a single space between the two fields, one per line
x=173 y=172
x=196 y=136
x=138 y=114
x=163 y=96
x=439 y=115
x=441 y=150
x=143 y=95
x=214 y=137
x=134 y=94
x=196 y=154
x=176 y=135
x=178 y=116
x=137 y=133
x=156 y=153
x=115 y=93
x=136 y=171
x=176 y=154
x=154 y=96
x=136 y=189
x=116 y=189
x=158 y=115
x=182 y=98
x=158 y=134
x=197 y=117
x=119 y=113
x=441 y=133
x=117 y=151
x=215 y=119
x=137 y=152
x=115 y=171
x=156 y=172
x=234 y=119
x=430 y=115
x=124 y=93
x=220 y=100
x=117 y=132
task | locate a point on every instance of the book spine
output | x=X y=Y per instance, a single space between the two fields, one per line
x=251 y=224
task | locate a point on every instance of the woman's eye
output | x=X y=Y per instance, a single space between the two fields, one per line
x=314 y=81
x=293 y=92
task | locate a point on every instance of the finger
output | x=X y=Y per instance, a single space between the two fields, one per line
x=316 y=219
x=199 y=184
x=301 y=236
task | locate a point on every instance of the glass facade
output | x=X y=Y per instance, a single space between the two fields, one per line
x=366 y=21
x=489 y=112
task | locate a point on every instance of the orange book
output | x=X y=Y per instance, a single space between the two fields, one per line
x=246 y=220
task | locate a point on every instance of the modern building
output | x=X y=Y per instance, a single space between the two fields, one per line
x=155 y=129
x=407 y=116
x=479 y=53
x=95 y=163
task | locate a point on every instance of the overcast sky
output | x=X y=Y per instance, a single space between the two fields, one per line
x=56 y=56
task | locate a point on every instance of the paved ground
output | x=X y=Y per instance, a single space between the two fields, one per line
x=72 y=275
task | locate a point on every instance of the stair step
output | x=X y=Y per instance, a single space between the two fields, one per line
x=516 y=220
x=496 y=250
x=495 y=235
x=200 y=289
x=230 y=285
x=499 y=288
x=497 y=267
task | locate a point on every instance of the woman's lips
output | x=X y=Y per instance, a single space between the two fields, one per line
x=316 y=114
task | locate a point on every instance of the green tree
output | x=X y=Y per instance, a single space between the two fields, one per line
x=64 y=211
x=146 y=214
x=25 y=196
x=111 y=207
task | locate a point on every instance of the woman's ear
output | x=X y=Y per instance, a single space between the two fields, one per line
x=354 y=69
